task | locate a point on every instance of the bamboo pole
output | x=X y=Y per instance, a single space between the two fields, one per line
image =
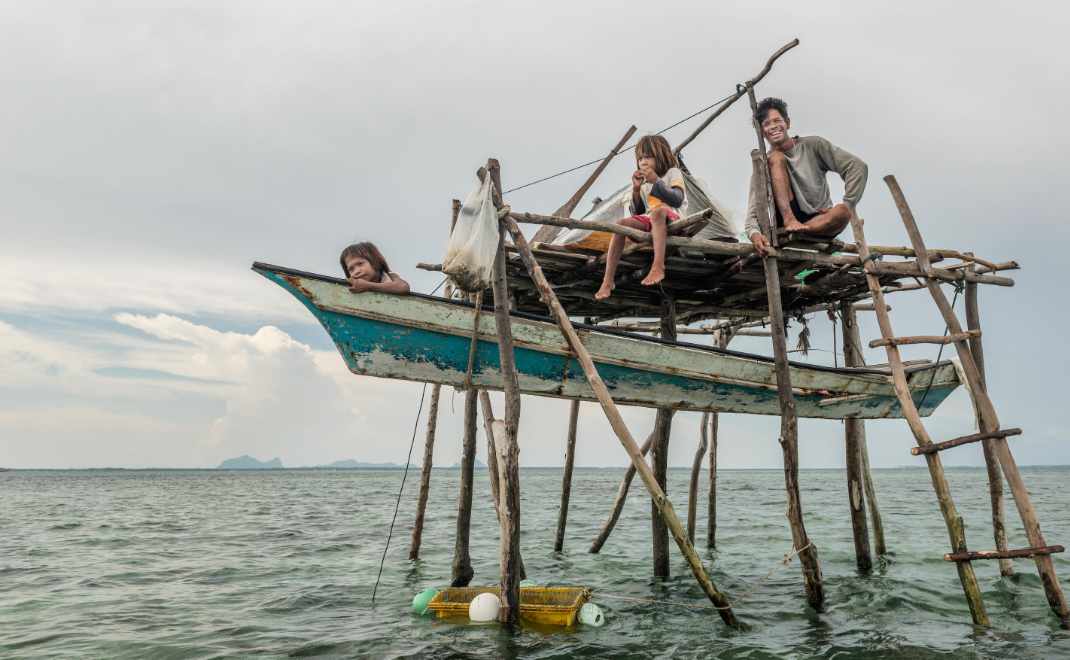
x=855 y=437
x=425 y=475
x=462 y=572
x=719 y=600
x=789 y=422
x=989 y=421
x=696 y=466
x=492 y=462
x=738 y=95
x=722 y=339
x=506 y=444
x=618 y=502
x=902 y=269
x=659 y=458
x=566 y=477
x=995 y=475
x=546 y=234
x=955 y=530
x=871 y=503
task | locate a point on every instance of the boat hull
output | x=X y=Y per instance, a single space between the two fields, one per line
x=421 y=338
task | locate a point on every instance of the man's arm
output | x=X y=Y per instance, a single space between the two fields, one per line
x=852 y=169
x=752 y=229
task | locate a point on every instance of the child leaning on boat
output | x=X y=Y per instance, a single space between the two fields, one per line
x=366 y=269
x=657 y=197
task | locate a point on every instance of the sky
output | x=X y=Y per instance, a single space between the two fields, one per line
x=150 y=152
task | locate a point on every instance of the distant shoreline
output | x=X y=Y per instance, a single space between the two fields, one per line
x=454 y=467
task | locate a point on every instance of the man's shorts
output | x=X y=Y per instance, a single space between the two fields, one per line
x=670 y=215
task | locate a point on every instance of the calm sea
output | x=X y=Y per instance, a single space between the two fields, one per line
x=190 y=564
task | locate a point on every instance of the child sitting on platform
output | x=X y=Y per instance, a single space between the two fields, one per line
x=366 y=269
x=657 y=195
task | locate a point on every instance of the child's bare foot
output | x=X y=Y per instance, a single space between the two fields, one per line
x=605 y=292
x=793 y=225
x=655 y=276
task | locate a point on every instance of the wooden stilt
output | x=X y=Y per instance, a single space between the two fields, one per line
x=493 y=469
x=989 y=421
x=619 y=427
x=956 y=533
x=425 y=474
x=855 y=436
x=618 y=502
x=852 y=345
x=789 y=423
x=659 y=457
x=429 y=442
x=506 y=444
x=723 y=337
x=462 y=572
x=566 y=477
x=696 y=466
x=995 y=475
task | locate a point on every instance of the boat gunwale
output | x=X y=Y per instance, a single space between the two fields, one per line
x=883 y=373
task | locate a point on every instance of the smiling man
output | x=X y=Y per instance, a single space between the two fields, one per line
x=798 y=168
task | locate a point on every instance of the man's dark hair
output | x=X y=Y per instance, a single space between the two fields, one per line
x=771 y=103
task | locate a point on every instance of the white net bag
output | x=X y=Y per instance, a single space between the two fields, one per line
x=473 y=243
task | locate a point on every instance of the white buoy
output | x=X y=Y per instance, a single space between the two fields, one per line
x=484 y=607
x=591 y=615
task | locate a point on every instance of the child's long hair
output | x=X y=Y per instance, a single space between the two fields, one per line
x=365 y=250
x=656 y=147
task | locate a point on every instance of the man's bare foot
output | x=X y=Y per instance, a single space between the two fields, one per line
x=653 y=277
x=605 y=292
x=794 y=226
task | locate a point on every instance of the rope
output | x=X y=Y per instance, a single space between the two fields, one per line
x=677 y=603
x=404 y=475
x=624 y=150
x=940 y=353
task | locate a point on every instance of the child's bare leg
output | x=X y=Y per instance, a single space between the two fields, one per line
x=616 y=248
x=658 y=232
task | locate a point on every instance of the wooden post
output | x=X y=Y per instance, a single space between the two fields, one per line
x=852 y=345
x=508 y=451
x=425 y=474
x=995 y=475
x=696 y=466
x=618 y=502
x=547 y=233
x=492 y=451
x=723 y=337
x=462 y=572
x=855 y=437
x=789 y=423
x=429 y=443
x=616 y=422
x=989 y=421
x=955 y=530
x=566 y=477
x=659 y=456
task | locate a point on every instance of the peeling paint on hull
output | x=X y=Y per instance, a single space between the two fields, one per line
x=419 y=338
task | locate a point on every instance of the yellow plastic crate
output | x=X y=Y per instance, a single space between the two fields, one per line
x=550 y=606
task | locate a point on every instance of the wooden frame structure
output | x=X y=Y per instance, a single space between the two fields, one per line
x=729 y=282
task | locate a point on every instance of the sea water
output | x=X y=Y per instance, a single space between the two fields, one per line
x=281 y=563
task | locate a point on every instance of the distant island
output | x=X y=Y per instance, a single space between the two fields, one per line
x=247 y=462
x=350 y=464
x=479 y=465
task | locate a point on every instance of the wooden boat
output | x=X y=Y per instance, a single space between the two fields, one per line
x=424 y=338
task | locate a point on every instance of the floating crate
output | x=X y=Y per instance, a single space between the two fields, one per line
x=551 y=606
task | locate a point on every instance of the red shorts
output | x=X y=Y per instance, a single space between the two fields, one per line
x=670 y=215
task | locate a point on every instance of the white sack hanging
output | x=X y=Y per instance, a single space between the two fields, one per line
x=474 y=242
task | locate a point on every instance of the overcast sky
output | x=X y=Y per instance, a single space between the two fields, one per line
x=151 y=152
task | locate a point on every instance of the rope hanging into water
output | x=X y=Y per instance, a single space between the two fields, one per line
x=940 y=353
x=624 y=150
x=415 y=426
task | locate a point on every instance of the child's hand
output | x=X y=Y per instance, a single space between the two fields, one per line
x=359 y=286
x=637 y=179
x=647 y=170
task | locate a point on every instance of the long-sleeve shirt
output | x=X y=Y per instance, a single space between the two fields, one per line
x=809 y=161
x=666 y=190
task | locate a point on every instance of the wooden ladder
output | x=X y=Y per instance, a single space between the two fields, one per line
x=990 y=432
